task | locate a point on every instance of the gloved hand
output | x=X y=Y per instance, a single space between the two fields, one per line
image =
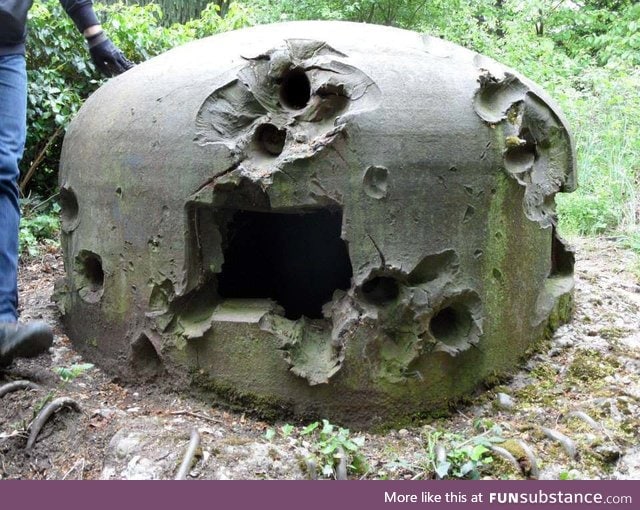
x=109 y=60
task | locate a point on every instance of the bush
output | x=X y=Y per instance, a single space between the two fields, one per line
x=61 y=74
x=39 y=227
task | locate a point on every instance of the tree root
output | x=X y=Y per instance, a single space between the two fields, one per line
x=580 y=415
x=531 y=468
x=17 y=385
x=187 y=461
x=566 y=442
x=341 y=468
x=508 y=456
x=46 y=413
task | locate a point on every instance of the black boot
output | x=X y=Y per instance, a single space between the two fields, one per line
x=23 y=341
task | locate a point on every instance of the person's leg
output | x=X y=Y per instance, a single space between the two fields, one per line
x=15 y=340
x=13 y=112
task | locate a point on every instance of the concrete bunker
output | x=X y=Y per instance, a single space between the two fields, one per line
x=337 y=220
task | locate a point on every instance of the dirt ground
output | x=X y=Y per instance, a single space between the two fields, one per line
x=572 y=411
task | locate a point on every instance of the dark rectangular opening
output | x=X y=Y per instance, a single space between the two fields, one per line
x=298 y=260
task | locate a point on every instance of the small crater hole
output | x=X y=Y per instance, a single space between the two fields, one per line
x=562 y=258
x=295 y=89
x=69 y=209
x=451 y=324
x=380 y=290
x=270 y=139
x=145 y=360
x=89 y=276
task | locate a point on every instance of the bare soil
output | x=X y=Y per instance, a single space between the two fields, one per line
x=574 y=404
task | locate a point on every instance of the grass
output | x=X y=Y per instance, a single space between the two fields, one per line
x=606 y=125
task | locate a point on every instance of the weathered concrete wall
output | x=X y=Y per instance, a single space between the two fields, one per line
x=327 y=218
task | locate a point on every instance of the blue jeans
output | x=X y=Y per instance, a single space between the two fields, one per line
x=13 y=124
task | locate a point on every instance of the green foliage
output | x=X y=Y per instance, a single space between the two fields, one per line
x=68 y=374
x=569 y=475
x=604 y=114
x=327 y=445
x=177 y=11
x=39 y=226
x=608 y=31
x=384 y=12
x=61 y=74
x=463 y=458
x=58 y=78
x=284 y=431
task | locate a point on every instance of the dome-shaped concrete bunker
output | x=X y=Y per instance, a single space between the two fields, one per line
x=332 y=219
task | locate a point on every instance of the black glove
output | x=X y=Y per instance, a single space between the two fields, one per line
x=109 y=60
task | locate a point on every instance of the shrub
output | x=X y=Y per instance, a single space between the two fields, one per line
x=61 y=74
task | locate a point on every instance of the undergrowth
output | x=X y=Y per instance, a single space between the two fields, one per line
x=39 y=226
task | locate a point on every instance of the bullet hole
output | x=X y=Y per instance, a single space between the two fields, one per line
x=478 y=253
x=161 y=294
x=89 y=276
x=496 y=96
x=297 y=259
x=380 y=290
x=497 y=274
x=270 y=139
x=69 y=209
x=119 y=192
x=329 y=101
x=295 y=89
x=434 y=266
x=520 y=159
x=468 y=214
x=145 y=360
x=562 y=258
x=452 y=324
x=375 y=182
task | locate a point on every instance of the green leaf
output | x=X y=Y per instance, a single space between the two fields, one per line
x=69 y=373
x=477 y=452
x=286 y=430
x=442 y=469
x=329 y=449
x=309 y=428
x=327 y=428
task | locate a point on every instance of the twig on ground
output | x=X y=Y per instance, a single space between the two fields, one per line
x=187 y=461
x=195 y=415
x=74 y=467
